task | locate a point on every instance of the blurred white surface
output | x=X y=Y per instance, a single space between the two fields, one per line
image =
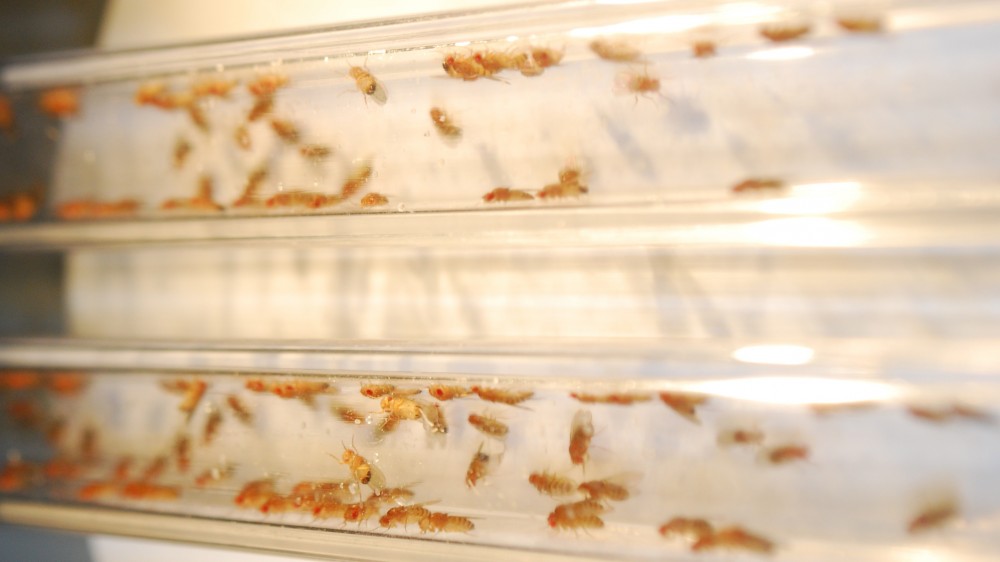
x=105 y=548
x=140 y=23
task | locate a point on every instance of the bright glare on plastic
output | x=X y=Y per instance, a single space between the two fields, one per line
x=774 y=354
x=799 y=390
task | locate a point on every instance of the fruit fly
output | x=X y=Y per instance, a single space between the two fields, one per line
x=6 y=115
x=296 y=198
x=509 y=397
x=734 y=538
x=362 y=471
x=443 y=523
x=182 y=452
x=306 y=496
x=18 y=206
x=404 y=515
x=194 y=392
x=19 y=380
x=583 y=514
x=703 y=49
x=823 y=409
x=181 y=150
x=569 y=185
x=315 y=152
x=620 y=399
x=580 y=433
x=254 y=494
x=304 y=390
x=753 y=185
x=615 y=51
x=546 y=57
x=374 y=200
x=605 y=489
x=96 y=490
x=639 y=83
x=286 y=130
x=197 y=115
x=860 y=24
x=552 y=484
x=213 y=87
x=239 y=409
x=262 y=105
x=330 y=508
x=61 y=468
x=250 y=196
x=24 y=413
x=388 y=424
x=55 y=431
x=478 y=467
x=968 y=412
x=360 y=511
x=277 y=503
x=267 y=84
x=16 y=475
x=66 y=383
x=786 y=453
x=214 y=475
x=155 y=94
x=443 y=392
x=932 y=518
x=392 y=495
x=122 y=469
x=364 y=80
x=464 y=67
x=358 y=178
x=349 y=415
x=435 y=418
x=781 y=32
x=60 y=102
x=740 y=437
x=94 y=209
x=946 y=413
x=489 y=425
x=444 y=124
x=367 y=84
x=685 y=404
x=88 y=445
x=145 y=491
x=380 y=390
x=212 y=423
x=494 y=61
x=241 y=136
x=154 y=469
x=683 y=527
x=504 y=194
x=401 y=407
x=202 y=201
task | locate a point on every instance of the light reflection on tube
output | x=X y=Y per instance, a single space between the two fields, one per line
x=798 y=390
x=774 y=354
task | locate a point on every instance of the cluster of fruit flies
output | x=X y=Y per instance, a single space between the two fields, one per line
x=486 y=63
x=19 y=206
x=342 y=499
x=703 y=536
x=63 y=103
x=780 y=32
x=569 y=185
x=393 y=506
x=263 y=90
